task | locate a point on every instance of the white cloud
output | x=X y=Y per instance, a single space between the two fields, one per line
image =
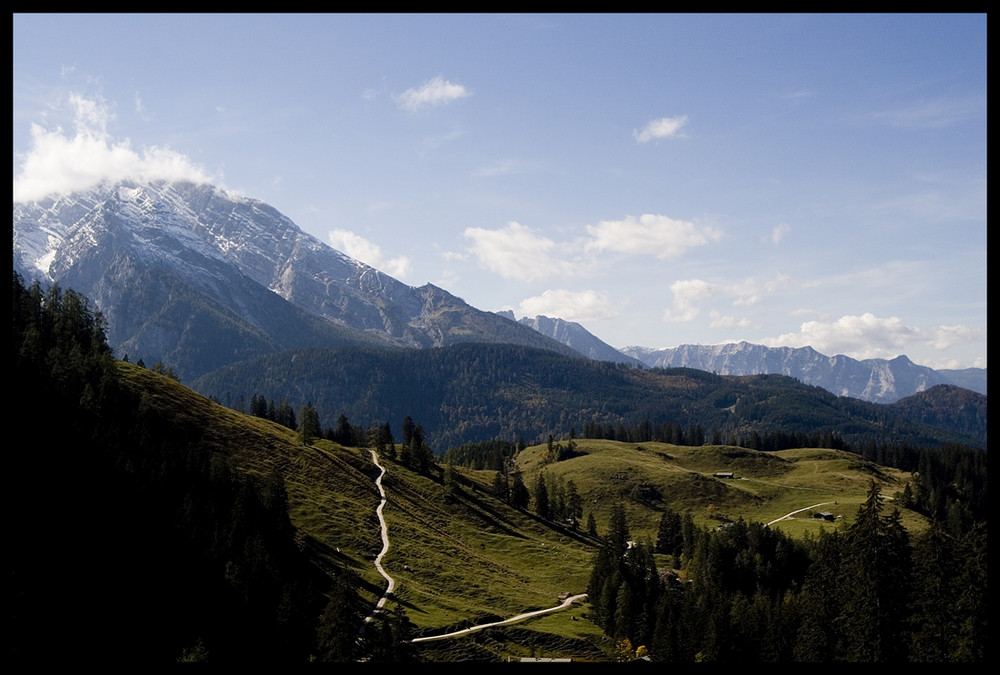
x=577 y=306
x=778 y=233
x=434 y=92
x=689 y=294
x=861 y=337
x=369 y=253
x=750 y=291
x=721 y=321
x=654 y=234
x=517 y=252
x=665 y=127
x=945 y=337
x=58 y=163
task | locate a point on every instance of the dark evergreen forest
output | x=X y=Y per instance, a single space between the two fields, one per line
x=745 y=593
x=132 y=540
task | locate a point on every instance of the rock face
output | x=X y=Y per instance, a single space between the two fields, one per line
x=876 y=380
x=198 y=277
x=576 y=336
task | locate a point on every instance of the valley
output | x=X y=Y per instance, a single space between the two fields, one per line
x=378 y=339
x=271 y=522
x=535 y=464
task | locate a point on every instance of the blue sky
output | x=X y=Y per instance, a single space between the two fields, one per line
x=661 y=179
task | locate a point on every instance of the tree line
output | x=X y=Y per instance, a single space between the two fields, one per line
x=477 y=392
x=695 y=434
x=746 y=593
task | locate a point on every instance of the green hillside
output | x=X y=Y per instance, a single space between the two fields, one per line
x=765 y=486
x=461 y=556
x=190 y=531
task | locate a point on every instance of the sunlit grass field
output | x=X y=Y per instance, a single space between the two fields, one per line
x=460 y=556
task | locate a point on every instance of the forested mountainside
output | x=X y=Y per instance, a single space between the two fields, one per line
x=475 y=392
x=193 y=533
x=137 y=540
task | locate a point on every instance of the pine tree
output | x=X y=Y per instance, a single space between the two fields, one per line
x=874 y=585
x=574 y=504
x=542 y=498
x=408 y=428
x=337 y=634
x=309 y=428
x=820 y=601
x=519 y=495
x=935 y=597
x=618 y=531
x=669 y=535
x=971 y=606
x=499 y=487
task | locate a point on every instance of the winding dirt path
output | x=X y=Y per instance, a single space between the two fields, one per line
x=520 y=617
x=391 y=583
x=789 y=515
x=385 y=541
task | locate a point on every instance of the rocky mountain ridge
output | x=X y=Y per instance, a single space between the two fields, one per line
x=875 y=380
x=199 y=277
x=572 y=334
x=174 y=264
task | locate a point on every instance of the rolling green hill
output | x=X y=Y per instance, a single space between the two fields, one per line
x=461 y=556
x=190 y=531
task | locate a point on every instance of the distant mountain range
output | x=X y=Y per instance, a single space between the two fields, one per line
x=876 y=380
x=199 y=278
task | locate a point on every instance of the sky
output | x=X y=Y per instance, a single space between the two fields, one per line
x=662 y=179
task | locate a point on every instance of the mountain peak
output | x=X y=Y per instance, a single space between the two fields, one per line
x=576 y=336
x=136 y=249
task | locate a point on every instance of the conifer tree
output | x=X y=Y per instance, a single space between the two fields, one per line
x=541 y=496
x=669 y=535
x=972 y=604
x=337 y=634
x=519 y=495
x=820 y=600
x=499 y=487
x=574 y=504
x=408 y=428
x=874 y=585
x=309 y=428
x=935 y=621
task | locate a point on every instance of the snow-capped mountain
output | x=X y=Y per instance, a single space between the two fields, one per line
x=573 y=335
x=877 y=380
x=199 y=277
